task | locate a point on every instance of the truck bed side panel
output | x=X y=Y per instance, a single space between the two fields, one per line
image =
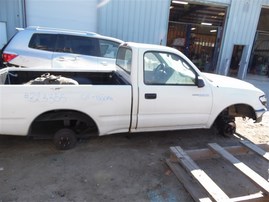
x=108 y=105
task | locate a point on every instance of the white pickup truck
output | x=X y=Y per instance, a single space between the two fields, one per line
x=153 y=88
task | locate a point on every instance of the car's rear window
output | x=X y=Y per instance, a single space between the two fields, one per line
x=64 y=43
x=44 y=42
x=78 y=45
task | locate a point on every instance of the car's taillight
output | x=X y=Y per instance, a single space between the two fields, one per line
x=8 y=57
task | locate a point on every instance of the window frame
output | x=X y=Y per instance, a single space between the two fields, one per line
x=116 y=62
x=168 y=84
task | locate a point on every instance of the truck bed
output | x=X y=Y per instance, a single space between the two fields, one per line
x=23 y=76
x=98 y=100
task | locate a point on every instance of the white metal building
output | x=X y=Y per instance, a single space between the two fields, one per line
x=166 y=22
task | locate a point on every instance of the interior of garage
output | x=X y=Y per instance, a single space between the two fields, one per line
x=259 y=61
x=196 y=30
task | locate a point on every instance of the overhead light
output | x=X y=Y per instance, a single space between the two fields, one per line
x=193 y=28
x=221 y=14
x=180 y=2
x=171 y=7
x=206 y=23
x=213 y=30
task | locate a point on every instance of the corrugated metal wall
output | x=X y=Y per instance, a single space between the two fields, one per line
x=11 y=13
x=265 y=2
x=68 y=14
x=241 y=25
x=134 y=20
x=217 y=2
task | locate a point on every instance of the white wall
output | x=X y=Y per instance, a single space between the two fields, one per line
x=68 y=14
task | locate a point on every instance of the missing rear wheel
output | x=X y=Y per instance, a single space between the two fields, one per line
x=65 y=139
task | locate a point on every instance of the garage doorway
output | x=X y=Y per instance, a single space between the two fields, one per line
x=196 y=30
x=236 y=60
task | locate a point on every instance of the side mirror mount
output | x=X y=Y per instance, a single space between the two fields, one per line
x=200 y=82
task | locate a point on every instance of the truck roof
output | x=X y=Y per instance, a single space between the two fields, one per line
x=149 y=46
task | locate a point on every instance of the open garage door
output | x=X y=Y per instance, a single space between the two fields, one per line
x=196 y=30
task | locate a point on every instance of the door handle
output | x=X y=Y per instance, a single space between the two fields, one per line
x=71 y=58
x=150 y=96
x=61 y=59
x=104 y=63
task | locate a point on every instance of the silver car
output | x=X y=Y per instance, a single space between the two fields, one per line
x=60 y=48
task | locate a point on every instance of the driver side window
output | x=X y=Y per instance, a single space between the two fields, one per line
x=167 y=69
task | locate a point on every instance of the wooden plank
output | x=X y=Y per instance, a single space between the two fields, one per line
x=195 y=190
x=210 y=186
x=253 y=176
x=258 y=197
x=255 y=149
x=265 y=147
x=202 y=154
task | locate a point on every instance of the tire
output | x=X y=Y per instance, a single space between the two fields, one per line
x=226 y=127
x=229 y=129
x=65 y=139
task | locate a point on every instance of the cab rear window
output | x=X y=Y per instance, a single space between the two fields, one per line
x=124 y=59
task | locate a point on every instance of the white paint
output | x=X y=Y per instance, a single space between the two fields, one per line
x=68 y=14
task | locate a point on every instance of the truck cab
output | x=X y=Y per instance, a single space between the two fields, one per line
x=170 y=92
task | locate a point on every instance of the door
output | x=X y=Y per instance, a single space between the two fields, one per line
x=242 y=72
x=76 y=52
x=236 y=60
x=169 y=97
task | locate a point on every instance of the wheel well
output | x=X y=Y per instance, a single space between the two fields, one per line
x=225 y=121
x=238 y=110
x=49 y=122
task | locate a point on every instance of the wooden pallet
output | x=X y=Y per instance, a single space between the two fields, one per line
x=201 y=187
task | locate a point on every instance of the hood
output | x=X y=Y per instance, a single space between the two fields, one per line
x=228 y=82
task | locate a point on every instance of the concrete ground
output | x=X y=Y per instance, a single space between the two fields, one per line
x=119 y=167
